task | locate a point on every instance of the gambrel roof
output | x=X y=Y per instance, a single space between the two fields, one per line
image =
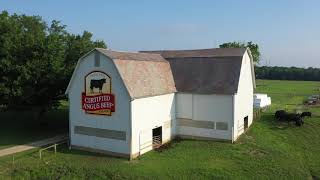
x=144 y=74
x=206 y=71
x=203 y=71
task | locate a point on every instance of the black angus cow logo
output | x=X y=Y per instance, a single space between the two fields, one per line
x=97 y=84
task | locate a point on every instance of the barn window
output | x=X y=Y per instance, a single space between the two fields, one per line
x=221 y=126
x=97 y=60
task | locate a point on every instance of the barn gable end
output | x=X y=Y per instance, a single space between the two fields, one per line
x=111 y=134
x=243 y=112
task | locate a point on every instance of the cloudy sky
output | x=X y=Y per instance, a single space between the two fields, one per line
x=287 y=31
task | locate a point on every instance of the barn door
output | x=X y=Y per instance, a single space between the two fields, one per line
x=246 y=123
x=157 y=137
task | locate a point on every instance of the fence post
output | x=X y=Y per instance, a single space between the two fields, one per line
x=232 y=134
x=40 y=154
x=55 y=149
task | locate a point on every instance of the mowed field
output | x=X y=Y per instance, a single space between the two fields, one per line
x=268 y=150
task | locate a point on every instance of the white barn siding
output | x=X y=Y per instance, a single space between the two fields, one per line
x=120 y=119
x=184 y=105
x=243 y=100
x=202 y=115
x=149 y=113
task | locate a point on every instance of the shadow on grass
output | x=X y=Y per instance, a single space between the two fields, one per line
x=18 y=127
x=64 y=149
x=269 y=120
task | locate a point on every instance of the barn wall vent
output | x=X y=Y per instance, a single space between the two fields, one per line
x=97 y=59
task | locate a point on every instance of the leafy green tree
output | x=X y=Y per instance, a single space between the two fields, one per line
x=77 y=46
x=254 y=48
x=37 y=60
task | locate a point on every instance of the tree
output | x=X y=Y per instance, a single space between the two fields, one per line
x=77 y=46
x=254 y=48
x=37 y=60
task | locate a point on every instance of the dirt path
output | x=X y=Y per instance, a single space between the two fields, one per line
x=36 y=144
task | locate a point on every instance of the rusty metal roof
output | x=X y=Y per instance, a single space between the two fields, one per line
x=144 y=74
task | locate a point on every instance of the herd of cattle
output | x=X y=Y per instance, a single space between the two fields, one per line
x=282 y=115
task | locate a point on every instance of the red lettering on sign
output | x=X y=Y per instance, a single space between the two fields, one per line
x=98 y=102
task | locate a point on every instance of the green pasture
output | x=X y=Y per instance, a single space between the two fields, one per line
x=268 y=150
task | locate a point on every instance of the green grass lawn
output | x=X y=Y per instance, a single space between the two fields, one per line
x=269 y=150
x=20 y=127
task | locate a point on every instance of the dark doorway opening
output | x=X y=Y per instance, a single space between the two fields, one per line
x=245 y=123
x=157 y=137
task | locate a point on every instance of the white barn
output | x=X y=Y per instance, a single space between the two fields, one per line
x=125 y=104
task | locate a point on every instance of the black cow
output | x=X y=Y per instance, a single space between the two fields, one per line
x=282 y=115
x=279 y=114
x=97 y=84
x=304 y=114
x=289 y=117
x=299 y=121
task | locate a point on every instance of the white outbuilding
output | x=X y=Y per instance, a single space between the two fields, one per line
x=126 y=104
x=261 y=100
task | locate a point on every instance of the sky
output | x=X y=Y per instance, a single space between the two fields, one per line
x=287 y=31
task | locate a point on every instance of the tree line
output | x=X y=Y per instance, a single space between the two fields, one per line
x=287 y=73
x=37 y=60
